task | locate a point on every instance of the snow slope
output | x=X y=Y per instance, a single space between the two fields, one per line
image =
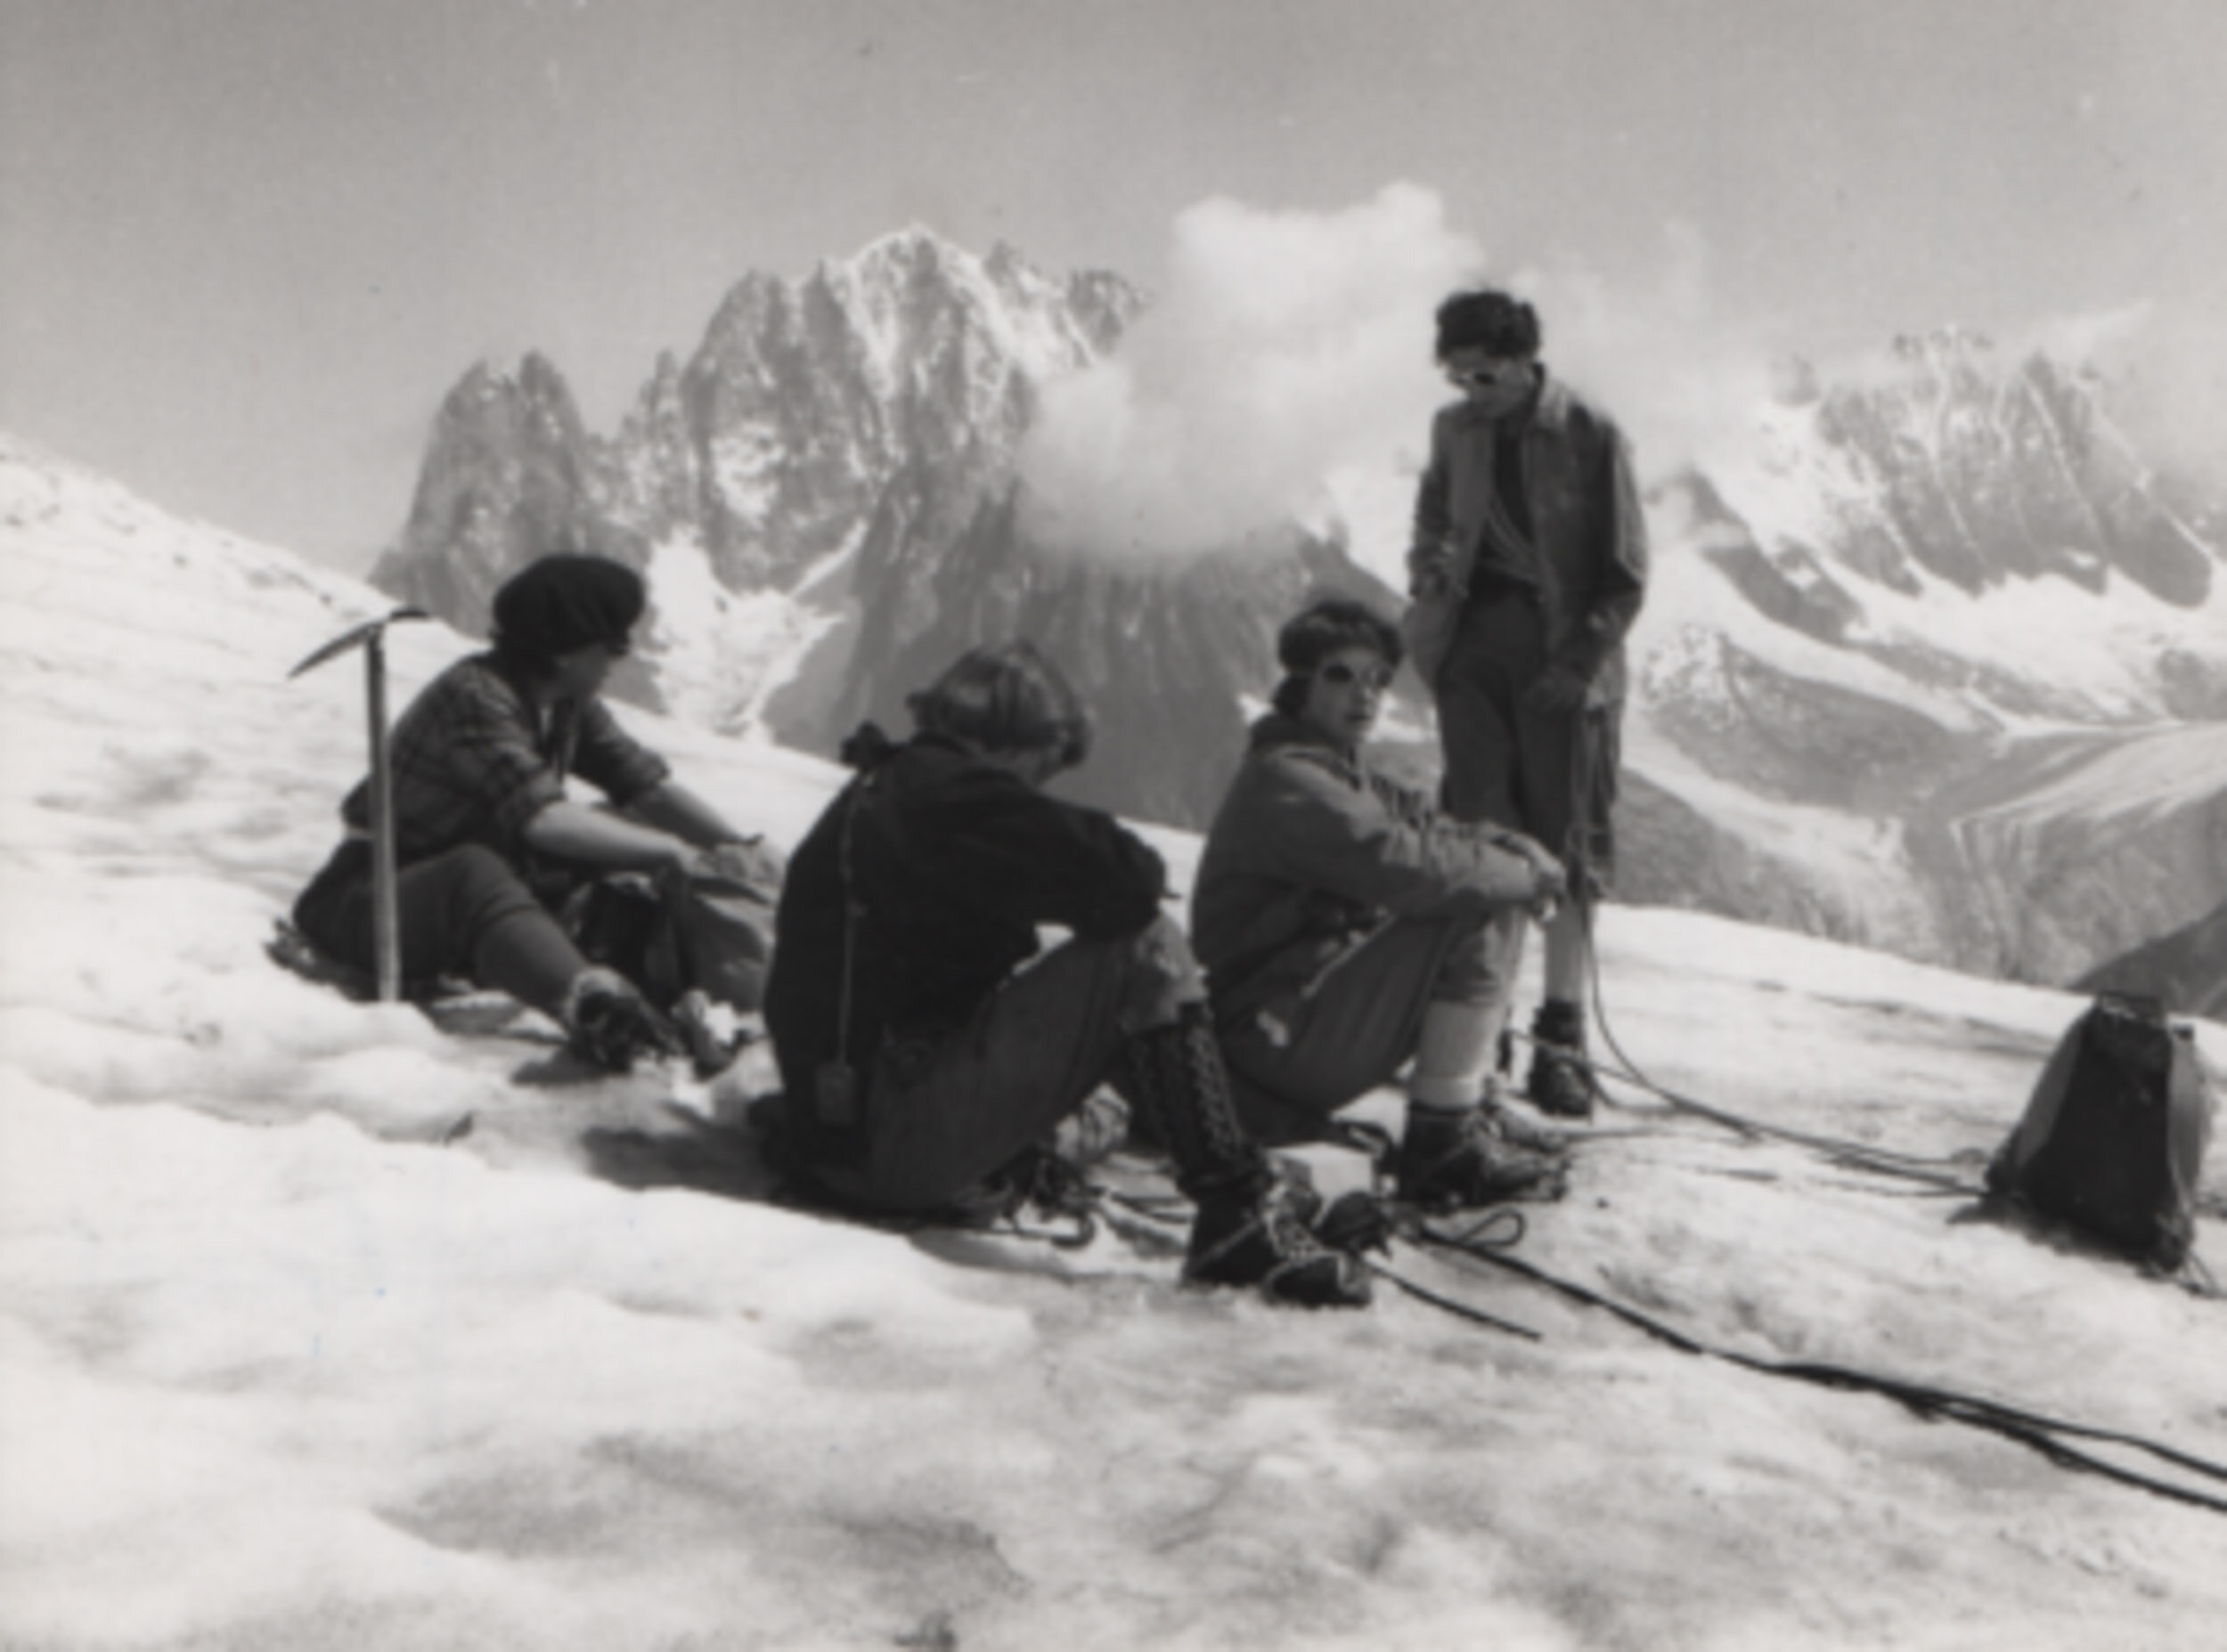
x=320 y=1327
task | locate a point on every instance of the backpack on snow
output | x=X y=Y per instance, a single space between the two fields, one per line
x=2113 y=1140
x=709 y=930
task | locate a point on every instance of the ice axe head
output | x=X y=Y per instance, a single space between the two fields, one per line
x=366 y=635
x=387 y=946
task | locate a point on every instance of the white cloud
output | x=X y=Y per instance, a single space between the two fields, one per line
x=1282 y=347
x=1287 y=350
x=2164 y=369
x=1678 y=373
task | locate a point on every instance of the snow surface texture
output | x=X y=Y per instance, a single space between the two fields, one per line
x=320 y=1327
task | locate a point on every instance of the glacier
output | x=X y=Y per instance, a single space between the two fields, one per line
x=321 y=1328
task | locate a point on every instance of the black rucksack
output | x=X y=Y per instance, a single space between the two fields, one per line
x=2113 y=1140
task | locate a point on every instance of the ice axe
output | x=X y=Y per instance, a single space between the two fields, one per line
x=385 y=927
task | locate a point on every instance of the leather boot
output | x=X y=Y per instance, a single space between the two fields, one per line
x=608 y=1021
x=1251 y=1224
x=1454 y=1158
x=1559 y=1082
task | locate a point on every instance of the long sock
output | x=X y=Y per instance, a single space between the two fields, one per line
x=1175 y=1075
x=1569 y=948
x=1456 y=1045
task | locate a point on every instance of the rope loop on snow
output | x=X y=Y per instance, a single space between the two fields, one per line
x=2048 y=1436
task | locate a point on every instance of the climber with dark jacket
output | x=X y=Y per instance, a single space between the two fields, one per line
x=1528 y=566
x=926 y=1044
x=1351 y=929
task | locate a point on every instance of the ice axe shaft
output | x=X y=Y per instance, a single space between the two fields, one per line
x=386 y=923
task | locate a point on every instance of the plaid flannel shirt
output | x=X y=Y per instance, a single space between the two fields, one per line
x=473 y=762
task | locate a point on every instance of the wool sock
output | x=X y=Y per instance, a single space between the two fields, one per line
x=1452 y=1053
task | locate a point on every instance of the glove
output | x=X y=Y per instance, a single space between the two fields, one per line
x=1429 y=569
x=1551 y=882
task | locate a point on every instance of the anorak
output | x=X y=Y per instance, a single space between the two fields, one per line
x=1313 y=850
x=1585 y=521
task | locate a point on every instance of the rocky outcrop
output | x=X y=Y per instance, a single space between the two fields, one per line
x=1975 y=475
x=884 y=393
x=1949 y=607
x=508 y=476
x=806 y=400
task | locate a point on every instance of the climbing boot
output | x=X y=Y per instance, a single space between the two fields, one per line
x=1516 y=1129
x=1260 y=1236
x=1173 y=1079
x=609 y=1022
x=1252 y=1226
x=1454 y=1158
x=1561 y=1081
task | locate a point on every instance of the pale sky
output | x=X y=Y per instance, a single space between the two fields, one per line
x=246 y=245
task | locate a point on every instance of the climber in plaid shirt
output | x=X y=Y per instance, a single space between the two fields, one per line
x=475 y=760
x=486 y=841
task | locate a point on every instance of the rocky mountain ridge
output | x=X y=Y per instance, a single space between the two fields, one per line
x=1968 y=653
x=1907 y=600
x=773 y=448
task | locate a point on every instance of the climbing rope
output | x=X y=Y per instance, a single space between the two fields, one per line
x=1941 y=1173
x=2046 y=1434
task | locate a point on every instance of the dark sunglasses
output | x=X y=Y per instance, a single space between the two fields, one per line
x=1490 y=378
x=1343 y=676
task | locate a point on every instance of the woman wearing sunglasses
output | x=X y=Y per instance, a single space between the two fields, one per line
x=1351 y=929
x=1528 y=564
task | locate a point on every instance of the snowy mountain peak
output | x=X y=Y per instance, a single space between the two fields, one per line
x=893 y=386
x=914 y=246
x=506 y=478
x=1793 y=381
x=1901 y=616
x=1867 y=612
x=1968 y=471
x=1941 y=348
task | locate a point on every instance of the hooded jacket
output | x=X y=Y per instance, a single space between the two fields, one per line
x=1587 y=523
x=1311 y=851
x=953 y=864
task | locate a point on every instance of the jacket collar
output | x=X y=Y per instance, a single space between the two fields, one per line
x=1279 y=729
x=519 y=683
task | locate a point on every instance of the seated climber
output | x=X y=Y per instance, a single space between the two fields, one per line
x=927 y=1043
x=489 y=847
x=1347 y=927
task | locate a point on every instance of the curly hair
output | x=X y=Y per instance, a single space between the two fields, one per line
x=1486 y=318
x=1006 y=697
x=1326 y=626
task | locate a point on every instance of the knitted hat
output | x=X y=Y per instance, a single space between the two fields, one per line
x=566 y=602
